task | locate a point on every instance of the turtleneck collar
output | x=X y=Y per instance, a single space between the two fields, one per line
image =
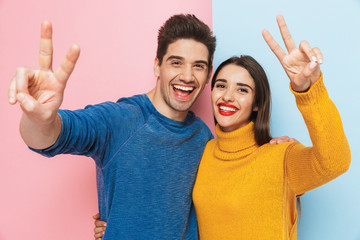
x=235 y=144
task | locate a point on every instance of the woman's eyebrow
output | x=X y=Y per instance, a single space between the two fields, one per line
x=244 y=85
x=221 y=80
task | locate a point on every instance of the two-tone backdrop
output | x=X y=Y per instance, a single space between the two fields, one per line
x=55 y=198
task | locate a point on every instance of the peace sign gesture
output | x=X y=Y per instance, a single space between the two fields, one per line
x=40 y=91
x=300 y=64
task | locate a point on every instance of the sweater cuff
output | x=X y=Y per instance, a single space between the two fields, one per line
x=313 y=95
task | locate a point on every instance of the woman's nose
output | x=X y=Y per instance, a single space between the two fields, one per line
x=228 y=95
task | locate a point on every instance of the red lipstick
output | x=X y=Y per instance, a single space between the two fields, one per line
x=227 y=109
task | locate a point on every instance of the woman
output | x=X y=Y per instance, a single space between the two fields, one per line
x=245 y=187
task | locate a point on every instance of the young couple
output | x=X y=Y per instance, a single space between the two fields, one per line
x=147 y=148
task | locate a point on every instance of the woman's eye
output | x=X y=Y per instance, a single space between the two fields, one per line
x=243 y=90
x=220 y=86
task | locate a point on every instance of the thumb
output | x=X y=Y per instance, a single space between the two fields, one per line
x=27 y=102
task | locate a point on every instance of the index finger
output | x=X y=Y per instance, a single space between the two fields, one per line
x=274 y=46
x=99 y=223
x=46 y=46
x=285 y=33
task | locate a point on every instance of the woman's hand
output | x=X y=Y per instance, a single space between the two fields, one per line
x=300 y=64
x=100 y=227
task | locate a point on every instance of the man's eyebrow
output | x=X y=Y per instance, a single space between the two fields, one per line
x=182 y=59
x=174 y=57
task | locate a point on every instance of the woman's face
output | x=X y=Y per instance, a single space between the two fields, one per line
x=233 y=97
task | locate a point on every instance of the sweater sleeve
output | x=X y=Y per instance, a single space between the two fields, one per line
x=94 y=131
x=329 y=157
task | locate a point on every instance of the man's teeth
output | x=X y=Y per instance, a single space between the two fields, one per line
x=227 y=109
x=183 y=88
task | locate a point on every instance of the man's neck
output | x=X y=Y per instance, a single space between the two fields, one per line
x=162 y=107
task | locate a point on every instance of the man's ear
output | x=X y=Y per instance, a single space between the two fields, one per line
x=157 y=67
x=209 y=74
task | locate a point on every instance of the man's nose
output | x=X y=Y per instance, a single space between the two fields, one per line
x=187 y=74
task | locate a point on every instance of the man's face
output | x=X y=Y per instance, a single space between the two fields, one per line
x=182 y=74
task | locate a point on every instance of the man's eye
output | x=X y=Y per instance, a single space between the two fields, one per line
x=200 y=66
x=175 y=63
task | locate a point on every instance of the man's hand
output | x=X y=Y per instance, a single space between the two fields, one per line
x=282 y=139
x=300 y=64
x=40 y=92
x=100 y=227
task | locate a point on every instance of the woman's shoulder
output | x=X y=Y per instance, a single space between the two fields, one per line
x=211 y=143
x=276 y=147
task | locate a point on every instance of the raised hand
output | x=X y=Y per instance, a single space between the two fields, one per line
x=40 y=91
x=302 y=65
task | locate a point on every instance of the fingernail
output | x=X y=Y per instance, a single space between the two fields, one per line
x=11 y=99
x=314 y=59
x=320 y=60
x=20 y=97
x=272 y=141
x=104 y=224
x=313 y=65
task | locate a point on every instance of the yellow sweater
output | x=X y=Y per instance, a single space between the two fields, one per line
x=244 y=191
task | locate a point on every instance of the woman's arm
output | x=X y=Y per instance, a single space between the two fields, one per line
x=309 y=167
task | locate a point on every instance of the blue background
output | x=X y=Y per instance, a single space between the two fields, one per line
x=331 y=211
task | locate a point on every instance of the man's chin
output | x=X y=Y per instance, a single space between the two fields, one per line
x=182 y=106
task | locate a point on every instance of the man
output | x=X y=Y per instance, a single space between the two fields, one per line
x=146 y=148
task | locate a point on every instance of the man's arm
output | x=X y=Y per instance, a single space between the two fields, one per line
x=40 y=93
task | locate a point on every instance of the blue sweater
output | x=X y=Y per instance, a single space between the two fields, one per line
x=146 y=166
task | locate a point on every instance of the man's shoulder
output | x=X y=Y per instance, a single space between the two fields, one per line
x=124 y=110
x=129 y=105
x=201 y=125
x=138 y=99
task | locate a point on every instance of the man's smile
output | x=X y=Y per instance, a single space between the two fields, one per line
x=183 y=92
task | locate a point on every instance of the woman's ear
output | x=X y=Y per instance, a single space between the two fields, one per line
x=255 y=107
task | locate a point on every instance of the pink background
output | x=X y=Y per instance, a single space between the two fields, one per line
x=55 y=198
